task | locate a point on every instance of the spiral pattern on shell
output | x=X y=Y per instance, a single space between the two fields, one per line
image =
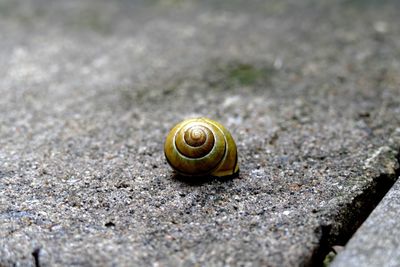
x=201 y=146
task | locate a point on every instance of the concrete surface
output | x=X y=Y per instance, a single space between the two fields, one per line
x=89 y=90
x=377 y=241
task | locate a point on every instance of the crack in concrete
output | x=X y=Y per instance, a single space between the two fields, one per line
x=36 y=254
x=355 y=213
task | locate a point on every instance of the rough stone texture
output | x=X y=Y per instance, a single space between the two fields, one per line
x=377 y=242
x=89 y=89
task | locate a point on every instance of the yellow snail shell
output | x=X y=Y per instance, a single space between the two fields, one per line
x=199 y=147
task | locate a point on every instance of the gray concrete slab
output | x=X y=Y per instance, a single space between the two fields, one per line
x=89 y=90
x=377 y=241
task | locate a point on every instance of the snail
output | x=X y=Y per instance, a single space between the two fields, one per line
x=200 y=147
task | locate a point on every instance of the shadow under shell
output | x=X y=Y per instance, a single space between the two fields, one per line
x=199 y=180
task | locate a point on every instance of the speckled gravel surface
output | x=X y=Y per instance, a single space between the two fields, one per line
x=89 y=89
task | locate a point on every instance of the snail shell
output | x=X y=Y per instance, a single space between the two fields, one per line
x=198 y=147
